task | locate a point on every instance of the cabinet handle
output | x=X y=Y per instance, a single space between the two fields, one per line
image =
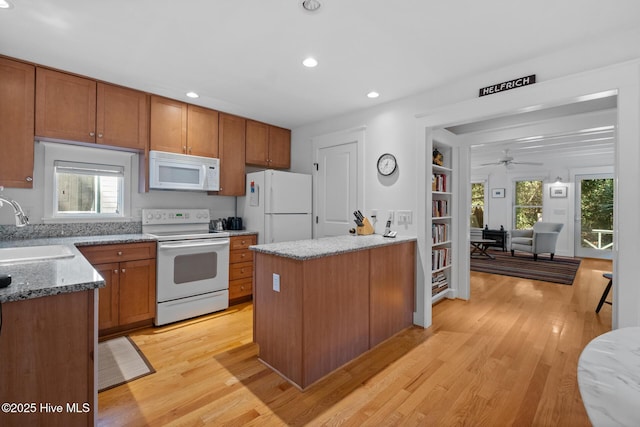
x=123 y=271
x=242 y=288
x=189 y=149
x=184 y=148
x=92 y=134
x=243 y=255
x=243 y=242
x=115 y=271
x=99 y=135
x=119 y=253
x=29 y=179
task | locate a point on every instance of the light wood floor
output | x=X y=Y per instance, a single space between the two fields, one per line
x=506 y=357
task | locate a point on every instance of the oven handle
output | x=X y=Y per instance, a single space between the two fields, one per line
x=190 y=244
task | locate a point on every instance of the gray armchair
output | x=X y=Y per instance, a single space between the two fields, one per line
x=541 y=239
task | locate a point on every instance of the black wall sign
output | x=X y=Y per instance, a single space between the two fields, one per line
x=511 y=84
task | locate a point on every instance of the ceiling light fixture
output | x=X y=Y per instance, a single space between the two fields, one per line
x=193 y=95
x=310 y=62
x=311 y=5
x=373 y=94
x=4 y=4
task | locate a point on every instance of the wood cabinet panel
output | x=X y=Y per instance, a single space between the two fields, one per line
x=232 y=155
x=257 y=143
x=137 y=296
x=17 y=91
x=47 y=354
x=240 y=255
x=241 y=270
x=65 y=106
x=202 y=131
x=168 y=125
x=243 y=242
x=100 y=254
x=240 y=288
x=108 y=296
x=392 y=290
x=279 y=148
x=122 y=117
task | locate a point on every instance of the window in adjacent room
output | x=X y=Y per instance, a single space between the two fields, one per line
x=527 y=208
x=477 y=204
x=88 y=189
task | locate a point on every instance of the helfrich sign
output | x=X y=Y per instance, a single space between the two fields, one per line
x=511 y=84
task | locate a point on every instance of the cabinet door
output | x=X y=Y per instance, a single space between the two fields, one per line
x=168 y=125
x=202 y=131
x=279 y=148
x=17 y=87
x=232 y=155
x=137 y=296
x=122 y=117
x=65 y=106
x=257 y=144
x=108 y=296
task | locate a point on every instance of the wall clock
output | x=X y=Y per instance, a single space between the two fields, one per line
x=387 y=164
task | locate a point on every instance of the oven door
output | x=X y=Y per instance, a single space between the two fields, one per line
x=192 y=267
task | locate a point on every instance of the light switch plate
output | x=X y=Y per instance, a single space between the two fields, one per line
x=276 y=282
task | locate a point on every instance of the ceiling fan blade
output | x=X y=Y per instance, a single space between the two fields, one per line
x=490 y=164
x=528 y=163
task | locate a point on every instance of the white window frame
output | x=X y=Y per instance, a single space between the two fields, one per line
x=74 y=154
x=513 y=197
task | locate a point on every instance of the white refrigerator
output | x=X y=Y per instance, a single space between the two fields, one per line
x=277 y=205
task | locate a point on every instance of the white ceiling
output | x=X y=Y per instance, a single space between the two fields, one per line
x=244 y=57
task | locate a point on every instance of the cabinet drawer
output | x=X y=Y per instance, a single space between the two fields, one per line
x=240 y=255
x=101 y=254
x=241 y=270
x=243 y=242
x=240 y=288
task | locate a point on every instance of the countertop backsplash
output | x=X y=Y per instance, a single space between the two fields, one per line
x=38 y=231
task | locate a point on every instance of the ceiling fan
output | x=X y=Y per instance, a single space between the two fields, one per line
x=507 y=161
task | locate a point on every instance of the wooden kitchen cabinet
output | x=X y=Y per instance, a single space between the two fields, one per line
x=47 y=349
x=241 y=268
x=79 y=109
x=17 y=87
x=231 y=141
x=267 y=145
x=129 y=298
x=178 y=127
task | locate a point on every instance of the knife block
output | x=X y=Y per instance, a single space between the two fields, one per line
x=365 y=229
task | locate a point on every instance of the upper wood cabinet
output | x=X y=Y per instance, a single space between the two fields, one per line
x=17 y=83
x=268 y=145
x=232 y=132
x=178 y=127
x=79 y=109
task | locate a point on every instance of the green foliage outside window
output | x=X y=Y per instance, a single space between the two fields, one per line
x=597 y=212
x=477 y=204
x=528 y=204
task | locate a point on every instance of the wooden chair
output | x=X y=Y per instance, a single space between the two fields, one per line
x=603 y=299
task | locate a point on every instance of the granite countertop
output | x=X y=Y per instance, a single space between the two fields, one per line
x=233 y=233
x=56 y=276
x=609 y=378
x=327 y=246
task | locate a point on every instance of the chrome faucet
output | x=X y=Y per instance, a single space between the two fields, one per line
x=21 y=218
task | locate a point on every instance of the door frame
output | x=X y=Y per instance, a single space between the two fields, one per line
x=621 y=79
x=334 y=139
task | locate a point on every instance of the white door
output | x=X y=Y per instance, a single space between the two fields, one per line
x=336 y=183
x=594 y=216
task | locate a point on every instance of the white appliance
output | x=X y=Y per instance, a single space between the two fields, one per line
x=277 y=205
x=192 y=266
x=171 y=171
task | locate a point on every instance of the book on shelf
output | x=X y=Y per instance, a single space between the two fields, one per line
x=439 y=233
x=440 y=258
x=439 y=208
x=439 y=182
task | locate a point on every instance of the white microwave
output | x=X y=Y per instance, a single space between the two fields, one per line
x=171 y=171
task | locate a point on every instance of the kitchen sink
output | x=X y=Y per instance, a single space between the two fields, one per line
x=34 y=253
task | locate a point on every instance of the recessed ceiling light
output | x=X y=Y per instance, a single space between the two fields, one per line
x=310 y=62
x=189 y=94
x=4 y=4
x=311 y=5
x=373 y=94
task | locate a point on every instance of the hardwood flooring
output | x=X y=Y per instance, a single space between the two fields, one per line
x=507 y=357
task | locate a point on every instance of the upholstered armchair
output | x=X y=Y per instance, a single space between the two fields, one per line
x=541 y=239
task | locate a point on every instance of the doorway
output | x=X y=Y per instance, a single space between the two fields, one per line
x=593 y=231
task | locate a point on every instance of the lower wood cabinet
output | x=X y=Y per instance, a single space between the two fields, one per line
x=129 y=298
x=241 y=268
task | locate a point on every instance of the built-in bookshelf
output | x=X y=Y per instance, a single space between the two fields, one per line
x=441 y=230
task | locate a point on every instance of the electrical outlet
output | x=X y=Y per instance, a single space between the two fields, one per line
x=405 y=217
x=276 y=282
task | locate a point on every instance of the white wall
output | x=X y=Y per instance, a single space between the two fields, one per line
x=392 y=126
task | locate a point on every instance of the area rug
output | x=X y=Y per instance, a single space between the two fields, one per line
x=120 y=361
x=561 y=270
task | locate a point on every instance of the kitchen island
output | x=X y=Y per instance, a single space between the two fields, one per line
x=320 y=303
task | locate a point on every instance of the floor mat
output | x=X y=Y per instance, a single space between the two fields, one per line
x=120 y=361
